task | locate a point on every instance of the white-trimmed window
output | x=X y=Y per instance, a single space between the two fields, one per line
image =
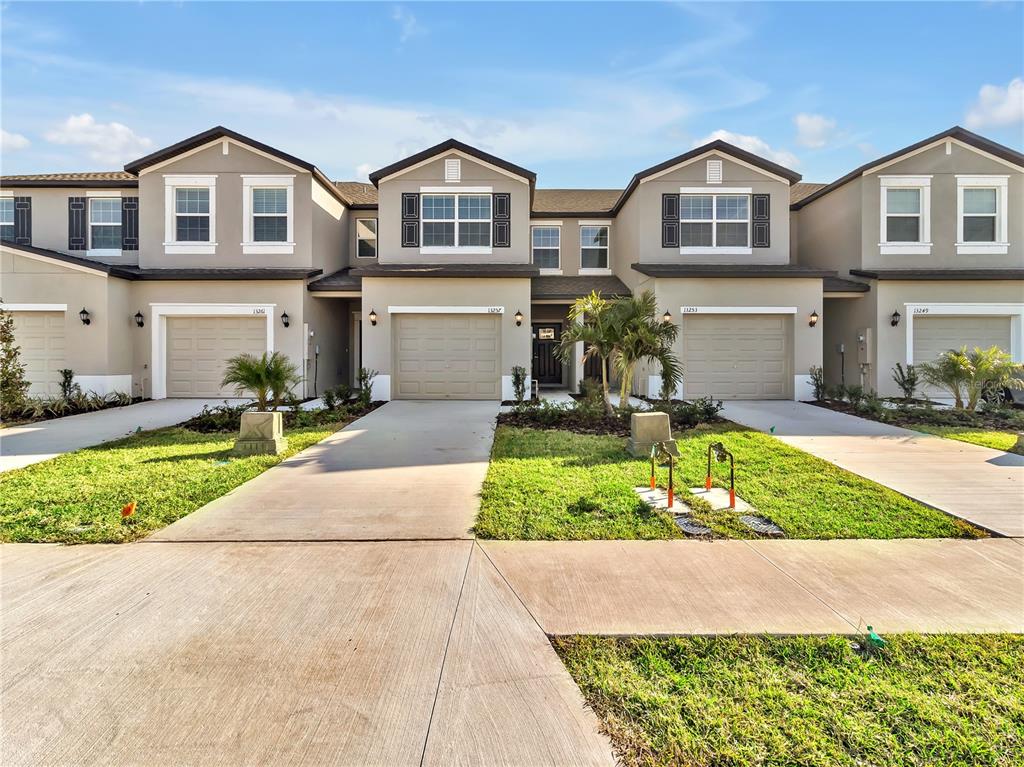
x=546 y=242
x=190 y=215
x=268 y=214
x=105 y=226
x=719 y=222
x=981 y=215
x=366 y=238
x=455 y=222
x=594 y=247
x=6 y=218
x=905 y=214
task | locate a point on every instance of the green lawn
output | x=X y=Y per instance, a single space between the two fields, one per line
x=545 y=484
x=944 y=701
x=999 y=440
x=77 y=498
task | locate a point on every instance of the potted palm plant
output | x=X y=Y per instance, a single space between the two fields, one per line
x=267 y=378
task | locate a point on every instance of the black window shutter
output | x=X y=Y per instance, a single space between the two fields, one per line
x=670 y=221
x=410 y=219
x=761 y=219
x=129 y=223
x=76 y=223
x=23 y=220
x=501 y=225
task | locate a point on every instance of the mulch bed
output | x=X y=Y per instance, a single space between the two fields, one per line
x=569 y=421
x=919 y=416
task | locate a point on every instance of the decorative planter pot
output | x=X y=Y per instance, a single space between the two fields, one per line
x=261 y=434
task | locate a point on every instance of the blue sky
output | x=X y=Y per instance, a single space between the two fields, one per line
x=585 y=94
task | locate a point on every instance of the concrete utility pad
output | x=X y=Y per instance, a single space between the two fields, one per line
x=230 y=654
x=406 y=471
x=718 y=497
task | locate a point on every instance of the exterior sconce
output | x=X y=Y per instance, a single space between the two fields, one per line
x=666 y=317
x=895 y=319
x=84 y=316
x=519 y=318
x=285 y=319
x=140 y=320
x=813 y=319
x=373 y=317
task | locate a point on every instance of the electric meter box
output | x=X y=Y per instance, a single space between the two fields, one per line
x=864 y=346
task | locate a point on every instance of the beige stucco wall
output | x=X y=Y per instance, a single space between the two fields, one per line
x=431 y=174
x=840 y=322
x=379 y=293
x=229 y=169
x=829 y=229
x=328 y=223
x=640 y=217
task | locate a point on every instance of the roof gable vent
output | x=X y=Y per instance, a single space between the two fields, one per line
x=452 y=170
x=714 y=171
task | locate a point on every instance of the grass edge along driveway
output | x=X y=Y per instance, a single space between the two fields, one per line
x=993 y=438
x=804 y=701
x=556 y=485
x=169 y=472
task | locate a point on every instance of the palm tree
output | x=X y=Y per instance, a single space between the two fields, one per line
x=969 y=375
x=591 y=324
x=642 y=335
x=268 y=377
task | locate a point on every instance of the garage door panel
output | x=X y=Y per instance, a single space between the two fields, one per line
x=447 y=357
x=198 y=349
x=41 y=338
x=737 y=356
x=935 y=335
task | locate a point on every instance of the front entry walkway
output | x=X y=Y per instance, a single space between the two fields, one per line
x=981 y=485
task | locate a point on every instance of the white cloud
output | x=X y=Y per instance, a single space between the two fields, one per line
x=813 y=131
x=12 y=142
x=108 y=143
x=363 y=171
x=997 y=105
x=408 y=25
x=754 y=144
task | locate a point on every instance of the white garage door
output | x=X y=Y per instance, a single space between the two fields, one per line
x=737 y=356
x=199 y=347
x=935 y=335
x=447 y=356
x=41 y=338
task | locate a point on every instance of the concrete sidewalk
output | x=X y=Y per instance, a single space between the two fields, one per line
x=24 y=445
x=779 y=587
x=981 y=485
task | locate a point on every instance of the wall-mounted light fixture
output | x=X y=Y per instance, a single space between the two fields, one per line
x=373 y=317
x=666 y=317
x=519 y=318
x=285 y=319
x=140 y=320
x=813 y=319
x=895 y=319
x=84 y=316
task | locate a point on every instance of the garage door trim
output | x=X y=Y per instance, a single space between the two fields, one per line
x=1014 y=311
x=446 y=310
x=34 y=307
x=158 y=322
x=684 y=310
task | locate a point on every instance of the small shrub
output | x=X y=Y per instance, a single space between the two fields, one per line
x=906 y=379
x=364 y=394
x=217 y=418
x=686 y=415
x=330 y=399
x=68 y=387
x=13 y=386
x=818 y=381
x=855 y=396
x=873 y=405
x=519 y=382
x=836 y=393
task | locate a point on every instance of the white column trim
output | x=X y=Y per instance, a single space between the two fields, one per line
x=158 y=331
x=34 y=307
x=968 y=310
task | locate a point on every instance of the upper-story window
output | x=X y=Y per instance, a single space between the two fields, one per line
x=594 y=246
x=981 y=215
x=105 y=224
x=714 y=221
x=7 y=218
x=905 y=214
x=268 y=214
x=366 y=237
x=456 y=220
x=546 y=242
x=190 y=217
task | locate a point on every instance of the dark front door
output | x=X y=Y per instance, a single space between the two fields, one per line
x=547 y=368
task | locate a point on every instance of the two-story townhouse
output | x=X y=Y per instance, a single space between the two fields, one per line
x=148 y=280
x=934 y=233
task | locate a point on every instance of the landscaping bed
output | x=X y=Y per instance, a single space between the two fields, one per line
x=171 y=472
x=549 y=484
x=37 y=409
x=805 y=701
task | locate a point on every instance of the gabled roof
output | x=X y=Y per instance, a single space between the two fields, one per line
x=714 y=146
x=358 y=193
x=447 y=146
x=94 y=179
x=220 y=132
x=548 y=203
x=956 y=132
x=569 y=288
x=804 y=189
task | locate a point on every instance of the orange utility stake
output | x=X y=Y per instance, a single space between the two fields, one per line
x=707 y=482
x=653 y=485
x=732 y=498
x=671 y=482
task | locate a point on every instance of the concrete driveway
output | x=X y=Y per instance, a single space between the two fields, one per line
x=24 y=445
x=981 y=485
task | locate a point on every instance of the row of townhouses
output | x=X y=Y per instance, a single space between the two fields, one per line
x=451 y=267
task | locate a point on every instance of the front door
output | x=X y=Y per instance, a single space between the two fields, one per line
x=547 y=368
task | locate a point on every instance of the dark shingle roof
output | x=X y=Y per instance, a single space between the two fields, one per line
x=573 y=287
x=445 y=270
x=803 y=189
x=583 y=202
x=731 y=270
x=115 y=178
x=839 y=285
x=358 y=193
x=940 y=274
x=339 y=280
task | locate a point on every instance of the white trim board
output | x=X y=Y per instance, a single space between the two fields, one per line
x=948 y=140
x=105 y=384
x=224 y=142
x=464 y=155
x=1014 y=312
x=685 y=310
x=158 y=331
x=446 y=310
x=456 y=189
x=34 y=307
